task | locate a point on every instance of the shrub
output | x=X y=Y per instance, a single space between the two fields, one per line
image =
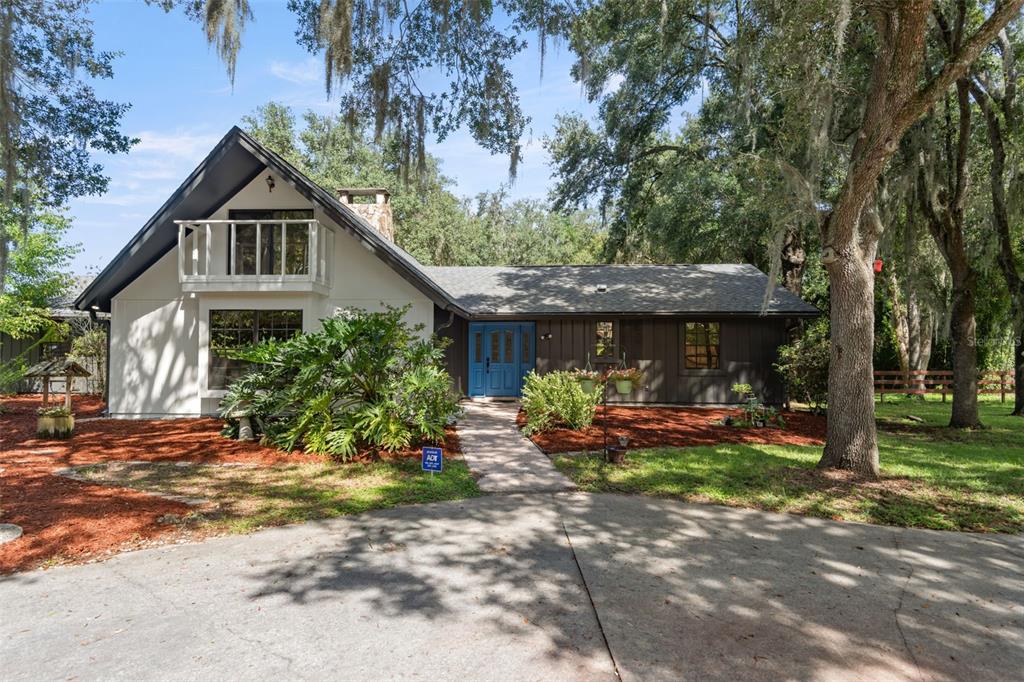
x=364 y=381
x=92 y=345
x=556 y=399
x=58 y=411
x=804 y=365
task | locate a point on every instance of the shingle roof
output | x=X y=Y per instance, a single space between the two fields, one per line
x=636 y=289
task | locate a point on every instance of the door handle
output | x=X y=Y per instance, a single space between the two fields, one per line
x=488 y=365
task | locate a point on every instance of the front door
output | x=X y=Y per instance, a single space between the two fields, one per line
x=500 y=355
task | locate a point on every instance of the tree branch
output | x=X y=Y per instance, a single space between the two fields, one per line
x=958 y=65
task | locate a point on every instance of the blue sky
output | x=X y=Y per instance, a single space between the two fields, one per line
x=182 y=103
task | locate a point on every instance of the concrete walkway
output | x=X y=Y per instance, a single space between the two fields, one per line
x=503 y=460
x=504 y=587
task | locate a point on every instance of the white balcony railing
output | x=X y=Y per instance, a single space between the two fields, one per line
x=270 y=255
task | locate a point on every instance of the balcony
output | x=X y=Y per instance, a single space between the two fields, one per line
x=235 y=256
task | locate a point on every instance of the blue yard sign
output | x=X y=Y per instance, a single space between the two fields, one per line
x=432 y=460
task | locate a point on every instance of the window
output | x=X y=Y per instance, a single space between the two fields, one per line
x=702 y=345
x=605 y=345
x=527 y=357
x=296 y=242
x=235 y=328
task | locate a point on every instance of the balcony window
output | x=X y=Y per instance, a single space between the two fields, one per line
x=295 y=242
x=232 y=329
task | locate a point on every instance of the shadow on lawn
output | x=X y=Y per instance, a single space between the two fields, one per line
x=948 y=495
x=681 y=590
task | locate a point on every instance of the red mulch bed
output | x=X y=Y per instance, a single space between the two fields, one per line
x=65 y=521
x=678 y=426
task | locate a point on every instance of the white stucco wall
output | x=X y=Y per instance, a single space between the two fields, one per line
x=160 y=337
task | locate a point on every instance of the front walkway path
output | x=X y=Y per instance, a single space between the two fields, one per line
x=503 y=460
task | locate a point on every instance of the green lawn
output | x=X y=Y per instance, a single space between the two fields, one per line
x=932 y=477
x=243 y=498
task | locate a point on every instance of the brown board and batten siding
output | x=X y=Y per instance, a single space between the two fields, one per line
x=649 y=306
x=748 y=351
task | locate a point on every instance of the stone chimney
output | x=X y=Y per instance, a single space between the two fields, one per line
x=373 y=204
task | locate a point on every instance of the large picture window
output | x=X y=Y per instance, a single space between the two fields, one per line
x=295 y=242
x=231 y=329
x=703 y=341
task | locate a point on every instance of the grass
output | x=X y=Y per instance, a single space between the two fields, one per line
x=244 y=498
x=932 y=476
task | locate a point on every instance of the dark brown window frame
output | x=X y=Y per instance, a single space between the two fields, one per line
x=246 y=216
x=612 y=353
x=702 y=352
x=221 y=370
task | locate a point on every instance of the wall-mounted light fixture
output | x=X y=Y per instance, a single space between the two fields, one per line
x=545 y=337
x=270 y=183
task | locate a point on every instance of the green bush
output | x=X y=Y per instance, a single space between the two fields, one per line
x=556 y=399
x=364 y=381
x=804 y=365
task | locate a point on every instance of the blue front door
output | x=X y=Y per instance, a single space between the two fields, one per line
x=500 y=355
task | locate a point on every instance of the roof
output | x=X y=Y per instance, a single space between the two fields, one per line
x=469 y=291
x=59 y=367
x=628 y=289
x=63 y=307
x=229 y=167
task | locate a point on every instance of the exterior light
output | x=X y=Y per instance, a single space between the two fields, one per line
x=95 y=307
x=270 y=183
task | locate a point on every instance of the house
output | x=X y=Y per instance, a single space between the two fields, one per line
x=37 y=347
x=249 y=248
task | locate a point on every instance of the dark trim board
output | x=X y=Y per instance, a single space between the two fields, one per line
x=748 y=350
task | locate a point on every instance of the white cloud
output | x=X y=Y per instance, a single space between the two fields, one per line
x=182 y=144
x=300 y=73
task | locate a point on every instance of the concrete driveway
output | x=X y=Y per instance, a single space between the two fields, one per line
x=493 y=588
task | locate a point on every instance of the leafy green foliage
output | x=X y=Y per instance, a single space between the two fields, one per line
x=804 y=365
x=366 y=380
x=431 y=223
x=50 y=117
x=91 y=345
x=556 y=399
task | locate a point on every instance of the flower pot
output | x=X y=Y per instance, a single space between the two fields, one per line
x=55 y=427
x=588 y=385
x=615 y=454
x=623 y=386
x=759 y=423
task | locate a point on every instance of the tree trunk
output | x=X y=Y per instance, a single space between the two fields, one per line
x=1018 y=375
x=892 y=104
x=794 y=259
x=998 y=109
x=851 y=440
x=965 y=354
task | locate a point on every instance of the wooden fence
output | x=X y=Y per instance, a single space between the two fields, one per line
x=921 y=382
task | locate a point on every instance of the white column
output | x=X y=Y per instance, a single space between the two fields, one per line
x=181 y=252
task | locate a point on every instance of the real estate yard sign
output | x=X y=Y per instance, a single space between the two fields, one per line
x=432 y=460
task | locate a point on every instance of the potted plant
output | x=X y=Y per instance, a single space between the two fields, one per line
x=54 y=422
x=615 y=454
x=625 y=379
x=588 y=379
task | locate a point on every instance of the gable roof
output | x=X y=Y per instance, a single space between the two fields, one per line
x=627 y=289
x=469 y=291
x=232 y=164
